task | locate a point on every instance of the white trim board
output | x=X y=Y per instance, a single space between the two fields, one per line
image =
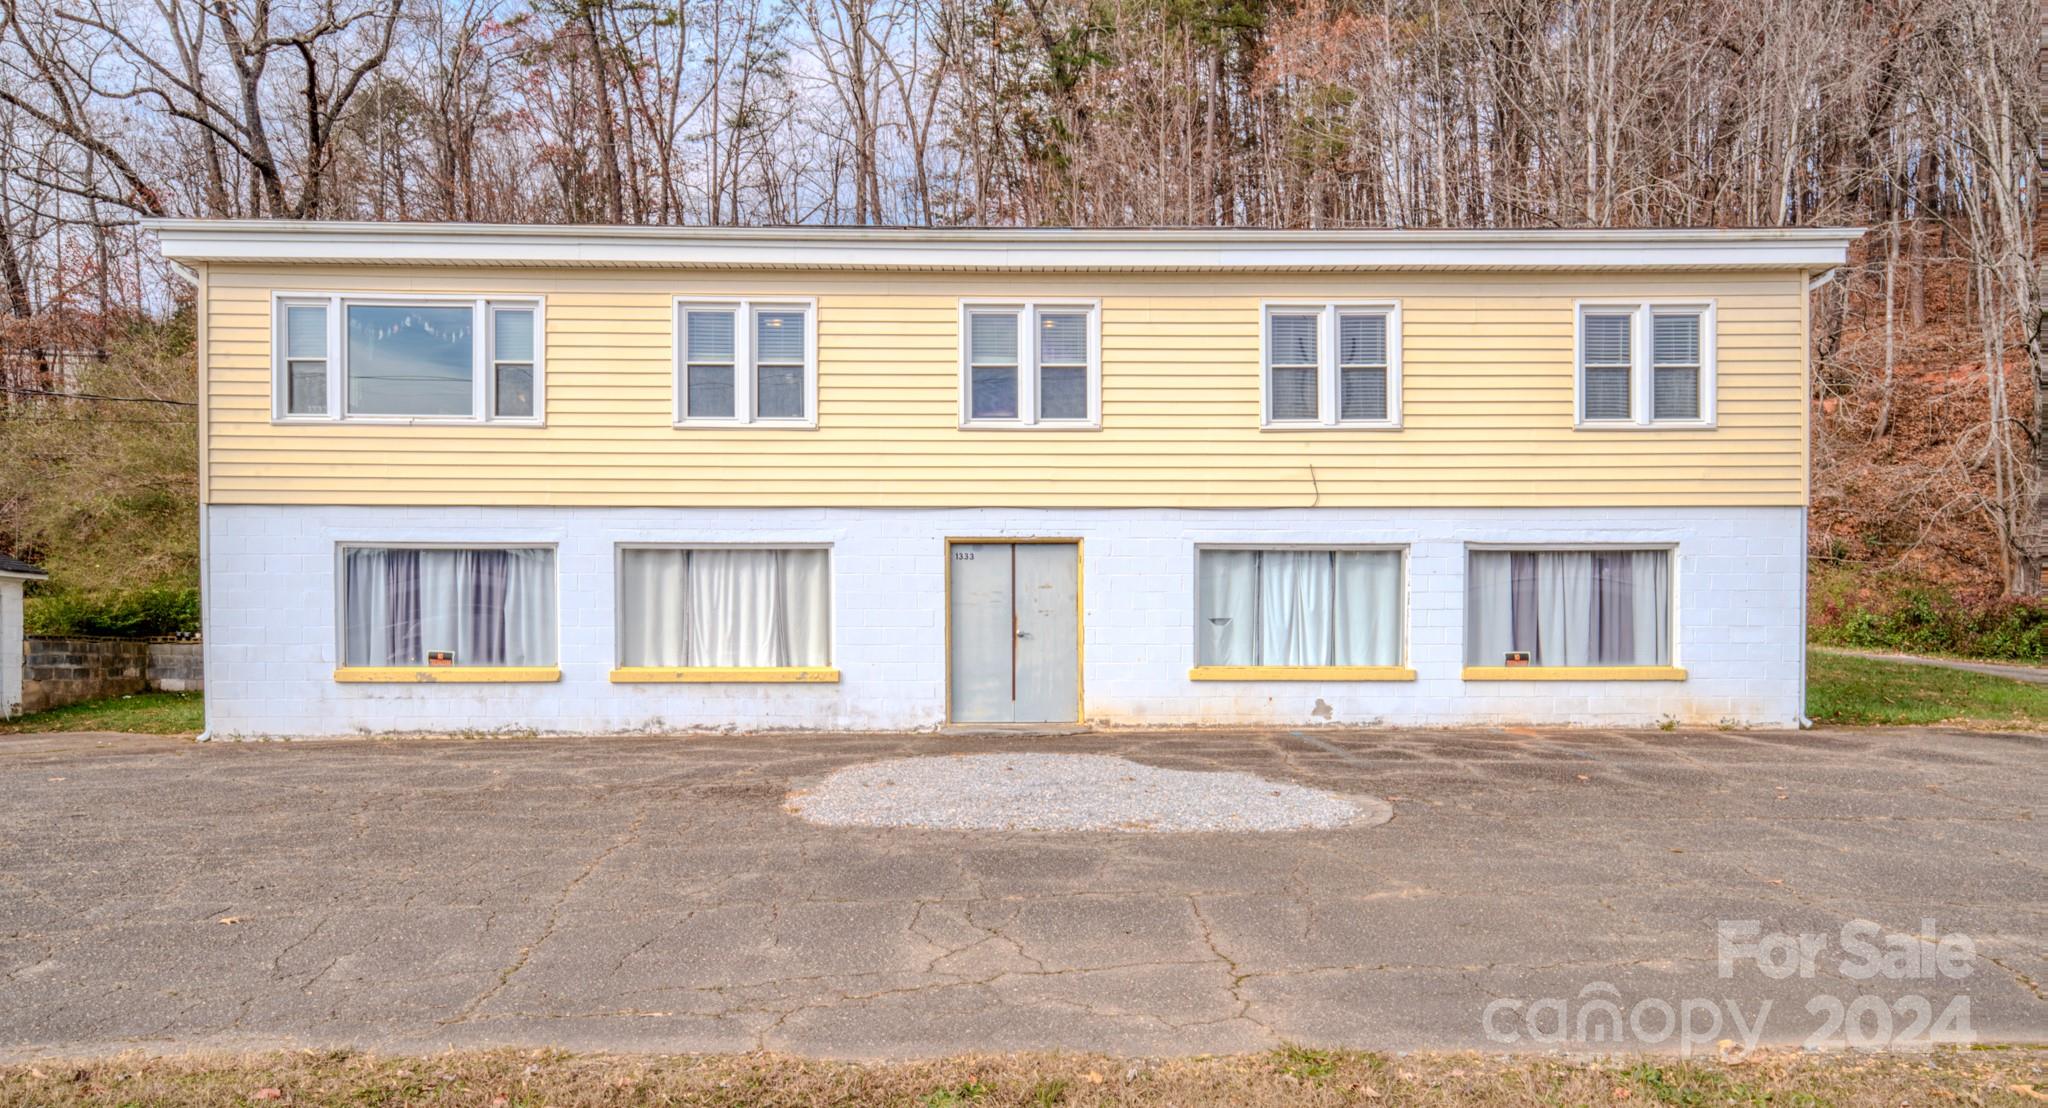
x=192 y=241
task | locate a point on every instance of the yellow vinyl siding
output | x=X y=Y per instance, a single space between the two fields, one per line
x=1487 y=374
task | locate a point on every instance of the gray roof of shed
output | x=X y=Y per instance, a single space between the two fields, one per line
x=18 y=567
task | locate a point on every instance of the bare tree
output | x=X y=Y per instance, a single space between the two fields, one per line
x=1917 y=117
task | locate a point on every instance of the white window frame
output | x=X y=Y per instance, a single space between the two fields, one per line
x=744 y=309
x=1329 y=376
x=1403 y=599
x=1671 y=615
x=340 y=571
x=1642 y=380
x=1027 y=310
x=619 y=591
x=483 y=356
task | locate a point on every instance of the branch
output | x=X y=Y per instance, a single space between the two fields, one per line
x=83 y=192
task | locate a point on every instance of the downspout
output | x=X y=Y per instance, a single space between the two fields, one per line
x=1813 y=285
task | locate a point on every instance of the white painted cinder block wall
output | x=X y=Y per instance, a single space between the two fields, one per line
x=11 y=646
x=271 y=638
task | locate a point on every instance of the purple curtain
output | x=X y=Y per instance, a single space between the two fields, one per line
x=402 y=587
x=486 y=574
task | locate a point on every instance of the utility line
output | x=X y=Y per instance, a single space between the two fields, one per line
x=96 y=396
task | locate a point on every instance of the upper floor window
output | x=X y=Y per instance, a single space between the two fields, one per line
x=746 y=362
x=407 y=358
x=1646 y=364
x=1030 y=365
x=1332 y=365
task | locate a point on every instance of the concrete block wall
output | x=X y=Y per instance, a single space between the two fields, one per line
x=57 y=671
x=177 y=666
x=272 y=640
x=60 y=671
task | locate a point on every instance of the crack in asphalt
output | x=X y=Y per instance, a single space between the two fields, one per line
x=631 y=835
x=378 y=885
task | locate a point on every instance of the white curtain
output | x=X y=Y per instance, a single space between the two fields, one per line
x=368 y=603
x=1489 y=601
x=1565 y=619
x=1368 y=608
x=1569 y=607
x=725 y=608
x=1294 y=607
x=1299 y=608
x=530 y=608
x=1228 y=623
x=651 y=607
x=488 y=607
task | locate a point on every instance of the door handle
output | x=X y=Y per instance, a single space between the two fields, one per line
x=1023 y=634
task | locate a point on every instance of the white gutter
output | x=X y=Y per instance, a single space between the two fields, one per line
x=280 y=241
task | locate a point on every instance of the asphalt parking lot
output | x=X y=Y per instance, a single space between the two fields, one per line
x=656 y=894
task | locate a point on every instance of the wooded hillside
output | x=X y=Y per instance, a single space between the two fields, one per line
x=1917 y=118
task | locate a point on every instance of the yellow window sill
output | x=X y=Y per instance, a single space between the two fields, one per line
x=445 y=675
x=724 y=675
x=1301 y=673
x=1574 y=673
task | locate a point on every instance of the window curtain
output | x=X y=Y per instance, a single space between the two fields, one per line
x=651 y=607
x=485 y=607
x=1299 y=608
x=1569 y=607
x=1227 y=631
x=725 y=608
x=1295 y=607
x=1368 y=608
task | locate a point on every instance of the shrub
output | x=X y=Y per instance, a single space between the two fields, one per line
x=135 y=614
x=1927 y=619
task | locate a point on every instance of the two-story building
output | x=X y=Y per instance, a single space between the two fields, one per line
x=590 y=479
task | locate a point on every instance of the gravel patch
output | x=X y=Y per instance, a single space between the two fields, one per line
x=1069 y=792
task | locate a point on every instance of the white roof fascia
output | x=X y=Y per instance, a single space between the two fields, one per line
x=284 y=242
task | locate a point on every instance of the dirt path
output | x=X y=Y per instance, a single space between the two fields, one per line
x=2033 y=675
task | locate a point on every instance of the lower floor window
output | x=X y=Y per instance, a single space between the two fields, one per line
x=724 y=608
x=1299 y=608
x=1569 y=607
x=480 y=607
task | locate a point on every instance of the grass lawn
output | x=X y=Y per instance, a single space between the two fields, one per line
x=1848 y=690
x=149 y=713
x=1291 y=1076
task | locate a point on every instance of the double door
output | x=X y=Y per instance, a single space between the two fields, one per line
x=1014 y=638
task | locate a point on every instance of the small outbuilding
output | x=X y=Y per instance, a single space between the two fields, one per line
x=14 y=574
